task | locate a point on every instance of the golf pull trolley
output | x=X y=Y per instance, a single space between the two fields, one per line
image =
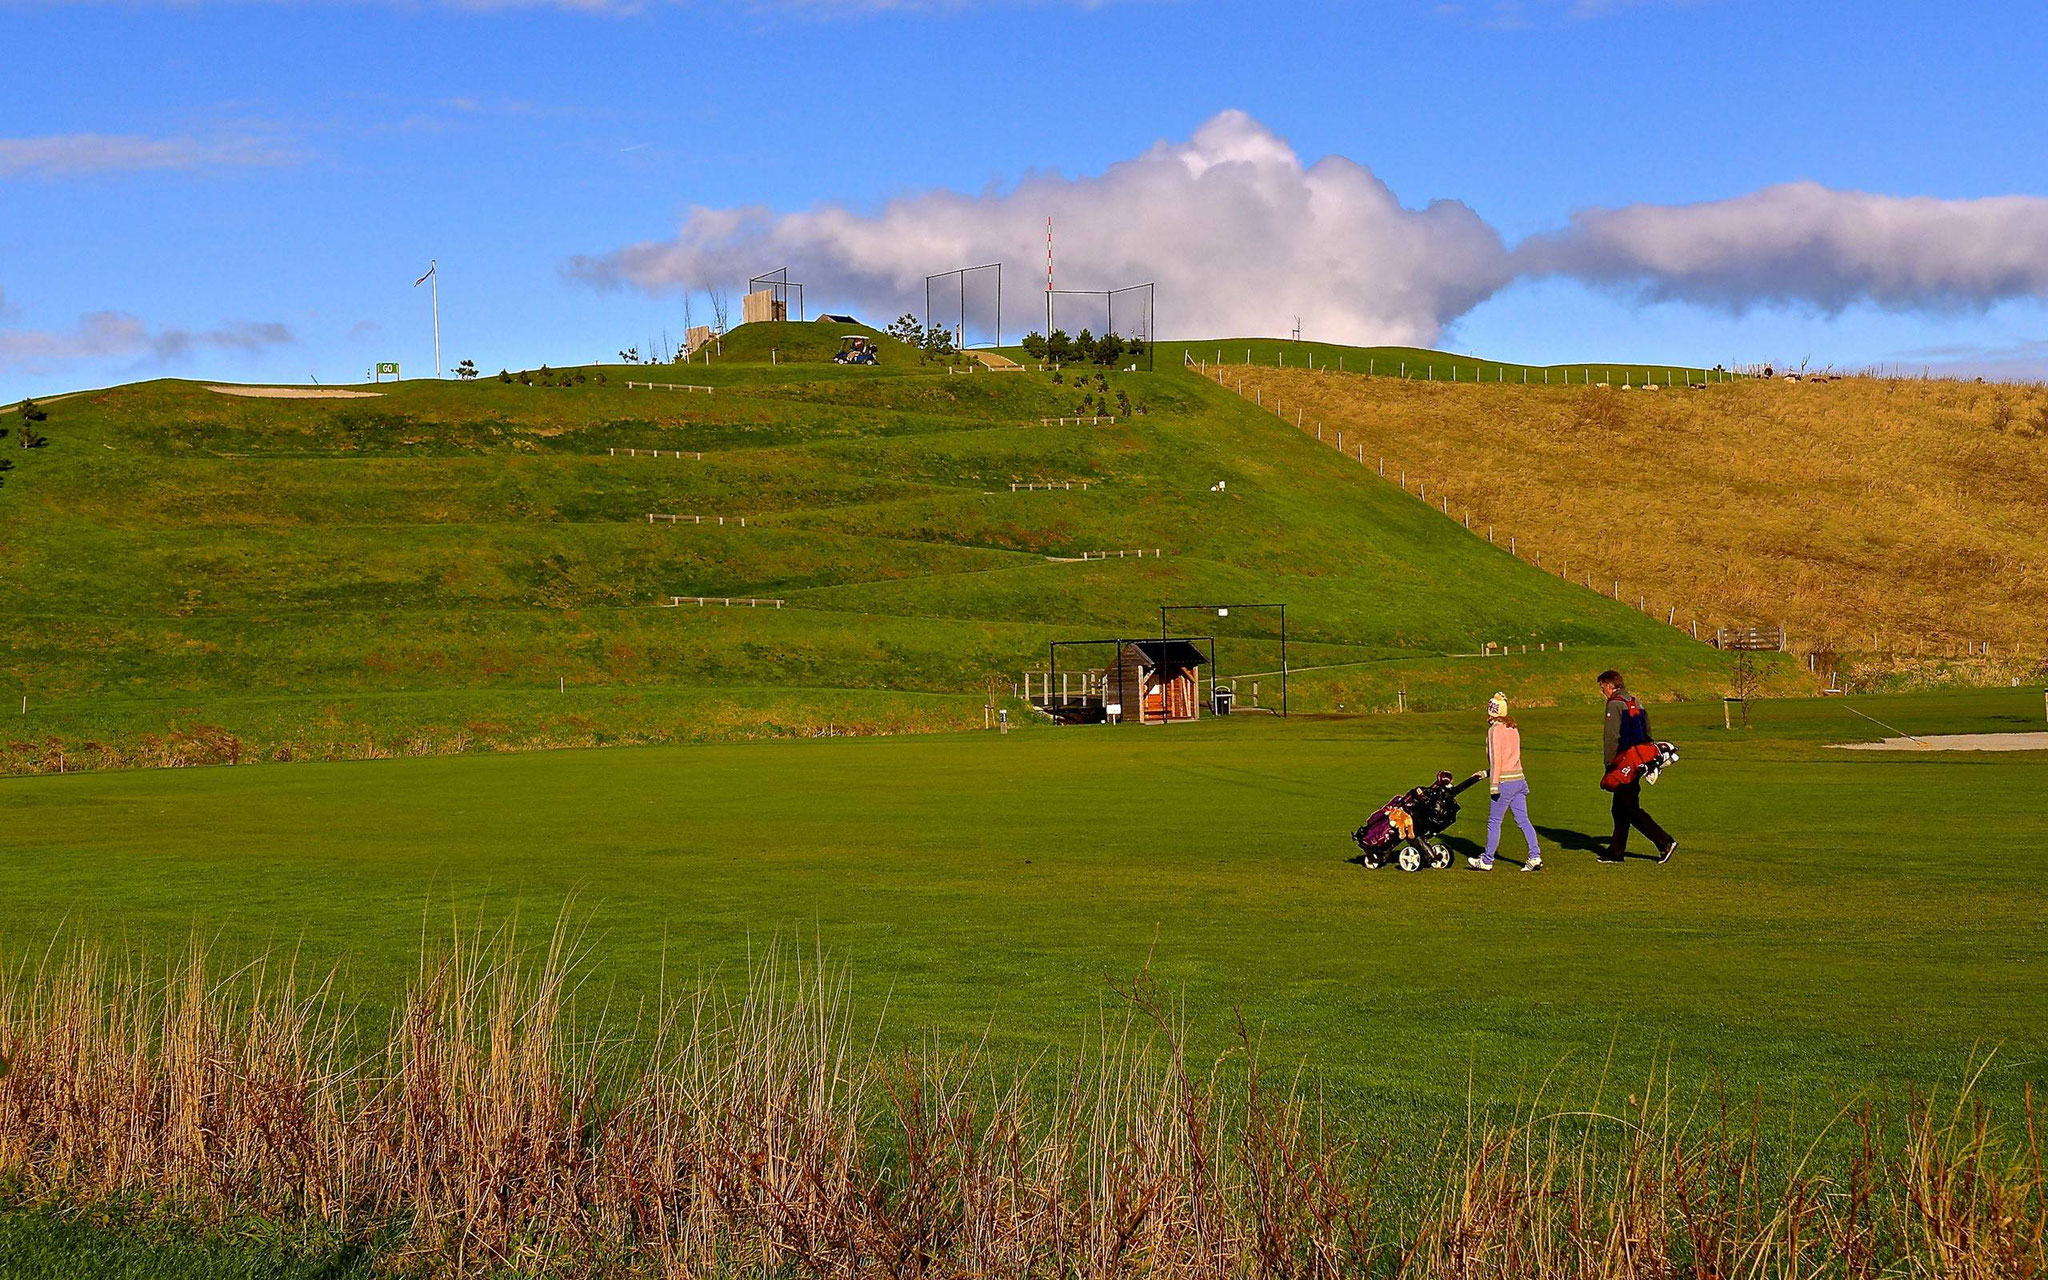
x=1407 y=830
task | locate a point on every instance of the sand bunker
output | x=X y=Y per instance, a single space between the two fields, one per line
x=295 y=393
x=1955 y=742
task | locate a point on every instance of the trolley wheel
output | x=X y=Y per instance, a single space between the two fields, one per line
x=1439 y=855
x=1411 y=858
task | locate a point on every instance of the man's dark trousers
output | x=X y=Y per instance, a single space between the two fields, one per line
x=1628 y=812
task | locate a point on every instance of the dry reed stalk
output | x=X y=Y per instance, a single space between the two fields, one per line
x=759 y=1130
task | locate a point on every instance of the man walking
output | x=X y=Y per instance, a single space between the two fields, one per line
x=1629 y=747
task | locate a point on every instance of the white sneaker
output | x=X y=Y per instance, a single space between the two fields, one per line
x=1533 y=864
x=1474 y=864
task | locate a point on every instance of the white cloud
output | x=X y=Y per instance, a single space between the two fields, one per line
x=1805 y=244
x=72 y=154
x=117 y=335
x=1241 y=237
x=1239 y=234
x=1524 y=15
x=2022 y=361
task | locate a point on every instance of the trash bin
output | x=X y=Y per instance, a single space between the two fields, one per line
x=1220 y=700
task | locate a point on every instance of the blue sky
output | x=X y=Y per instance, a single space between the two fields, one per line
x=245 y=189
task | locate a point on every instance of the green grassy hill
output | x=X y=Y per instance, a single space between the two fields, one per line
x=191 y=575
x=1421 y=363
x=800 y=343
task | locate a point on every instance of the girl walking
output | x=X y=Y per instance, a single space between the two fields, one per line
x=1504 y=780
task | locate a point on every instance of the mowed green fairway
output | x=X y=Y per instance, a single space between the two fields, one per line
x=1835 y=921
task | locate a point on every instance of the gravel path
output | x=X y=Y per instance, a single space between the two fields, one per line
x=295 y=393
x=1955 y=742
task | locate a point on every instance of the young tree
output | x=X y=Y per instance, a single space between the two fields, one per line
x=466 y=370
x=631 y=355
x=31 y=414
x=1745 y=678
x=905 y=328
x=720 y=309
x=1107 y=348
x=1059 y=348
x=938 y=344
x=504 y=375
x=1034 y=345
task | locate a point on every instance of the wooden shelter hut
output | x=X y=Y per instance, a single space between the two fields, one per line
x=1156 y=681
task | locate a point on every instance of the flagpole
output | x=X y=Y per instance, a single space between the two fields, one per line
x=434 y=271
x=433 y=276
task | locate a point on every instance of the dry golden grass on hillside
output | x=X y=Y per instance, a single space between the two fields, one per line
x=1863 y=514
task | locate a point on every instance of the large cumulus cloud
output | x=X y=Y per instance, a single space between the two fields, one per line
x=1238 y=233
x=1242 y=237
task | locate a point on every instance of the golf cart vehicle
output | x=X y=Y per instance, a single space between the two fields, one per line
x=855 y=349
x=1407 y=830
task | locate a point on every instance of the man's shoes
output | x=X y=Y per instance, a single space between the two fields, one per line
x=1668 y=850
x=1606 y=861
x=1533 y=864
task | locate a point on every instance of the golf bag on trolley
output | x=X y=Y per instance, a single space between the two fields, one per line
x=1406 y=829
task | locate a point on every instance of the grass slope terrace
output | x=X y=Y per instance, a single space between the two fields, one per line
x=200 y=576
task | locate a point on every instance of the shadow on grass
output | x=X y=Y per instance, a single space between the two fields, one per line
x=1581 y=842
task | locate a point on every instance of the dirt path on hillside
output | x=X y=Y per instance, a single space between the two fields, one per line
x=295 y=393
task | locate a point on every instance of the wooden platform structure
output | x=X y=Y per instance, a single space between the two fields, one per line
x=1750 y=639
x=1147 y=681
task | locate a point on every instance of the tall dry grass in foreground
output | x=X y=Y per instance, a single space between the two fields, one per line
x=758 y=1131
x=1867 y=515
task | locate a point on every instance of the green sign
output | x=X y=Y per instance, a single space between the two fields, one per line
x=387 y=366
